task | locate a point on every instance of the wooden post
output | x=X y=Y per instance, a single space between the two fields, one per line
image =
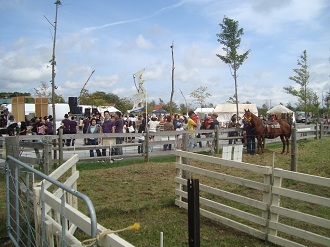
x=321 y=130
x=185 y=147
x=193 y=212
x=47 y=161
x=275 y=202
x=294 y=149
x=146 y=150
x=316 y=131
x=217 y=130
x=12 y=149
x=60 y=146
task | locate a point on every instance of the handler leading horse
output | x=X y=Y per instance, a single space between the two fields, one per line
x=262 y=129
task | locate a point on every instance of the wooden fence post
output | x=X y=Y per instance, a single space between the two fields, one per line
x=47 y=161
x=294 y=149
x=185 y=147
x=217 y=130
x=146 y=150
x=275 y=202
x=321 y=130
x=60 y=146
x=12 y=149
x=316 y=131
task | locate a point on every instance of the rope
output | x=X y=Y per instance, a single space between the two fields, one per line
x=92 y=241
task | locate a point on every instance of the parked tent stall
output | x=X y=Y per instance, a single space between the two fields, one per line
x=226 y=111
x=281 y=109
x=202 y=112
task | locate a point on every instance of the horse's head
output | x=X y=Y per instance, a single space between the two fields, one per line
x=247 y=115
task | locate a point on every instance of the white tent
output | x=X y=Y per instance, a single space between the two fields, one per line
x=100 y=109
x=226 y=111
x=201 y=112
x=279 y=109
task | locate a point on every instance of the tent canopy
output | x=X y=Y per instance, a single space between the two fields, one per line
x=160 y=111
x=226 y=111
x=204 y=110
x=279 y=109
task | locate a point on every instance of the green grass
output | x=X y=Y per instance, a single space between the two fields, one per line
x=129 y=191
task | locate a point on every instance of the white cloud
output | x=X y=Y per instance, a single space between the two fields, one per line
x=143 y=43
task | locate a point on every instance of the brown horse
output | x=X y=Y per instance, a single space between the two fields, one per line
x=270 y=131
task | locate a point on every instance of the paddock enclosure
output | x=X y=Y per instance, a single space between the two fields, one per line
x=54 y=194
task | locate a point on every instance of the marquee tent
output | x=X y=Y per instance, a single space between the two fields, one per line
x=201 y=112
x=226 y=111
x=279 y=109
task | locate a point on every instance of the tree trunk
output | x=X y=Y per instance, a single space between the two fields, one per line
x=172 y=92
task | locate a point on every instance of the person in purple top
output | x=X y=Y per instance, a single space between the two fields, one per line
x=106 y=128
x=73 y=128
x=86 y=123
x=118 y=128
x=66 y=128
x=49 y=124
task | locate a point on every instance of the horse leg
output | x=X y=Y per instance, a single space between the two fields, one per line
x=283 y=143
x=287 y=144
x=259 y=144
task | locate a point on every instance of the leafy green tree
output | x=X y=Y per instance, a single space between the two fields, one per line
x=200 y=95
x=230 y=38
x=174 y=109
x=85 y=97
x=150 y=106
x=263 y=110
x=327 y=103
x=183 y=108
x=307 y=99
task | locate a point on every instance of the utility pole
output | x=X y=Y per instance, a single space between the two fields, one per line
x=53 y=61
x=172 y=92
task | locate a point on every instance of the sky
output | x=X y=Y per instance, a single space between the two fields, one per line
x=119 y=38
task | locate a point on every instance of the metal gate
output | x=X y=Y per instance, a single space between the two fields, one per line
x=28 y=222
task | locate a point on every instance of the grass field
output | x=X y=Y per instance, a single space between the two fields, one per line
x=131 y=191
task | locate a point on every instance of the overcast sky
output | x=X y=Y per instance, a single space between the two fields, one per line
x=118 y=38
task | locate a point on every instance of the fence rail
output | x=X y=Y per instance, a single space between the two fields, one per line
x=261 y=214
x=55 y=214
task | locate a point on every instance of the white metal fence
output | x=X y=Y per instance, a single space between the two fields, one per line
x=46 y=213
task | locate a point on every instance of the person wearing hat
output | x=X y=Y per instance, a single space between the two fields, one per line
x=192 y=125
x=213 y=124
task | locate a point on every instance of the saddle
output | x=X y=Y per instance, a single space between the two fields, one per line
x=270 y=126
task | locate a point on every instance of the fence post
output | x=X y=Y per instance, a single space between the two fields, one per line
x=193 y=212
x=12 y=149
x=316 y=131
x=267 y=198
x=294 y=149
x=47 y=155
x=217 y=151
x=321 y=130
x=275 y=202
x=60 y=146
x=146 y=150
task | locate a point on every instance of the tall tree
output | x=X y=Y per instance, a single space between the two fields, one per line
x=200 y=95
x=305 y=95
x=230 y=38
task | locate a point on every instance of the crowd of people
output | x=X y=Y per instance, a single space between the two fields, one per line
x=117 y=123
